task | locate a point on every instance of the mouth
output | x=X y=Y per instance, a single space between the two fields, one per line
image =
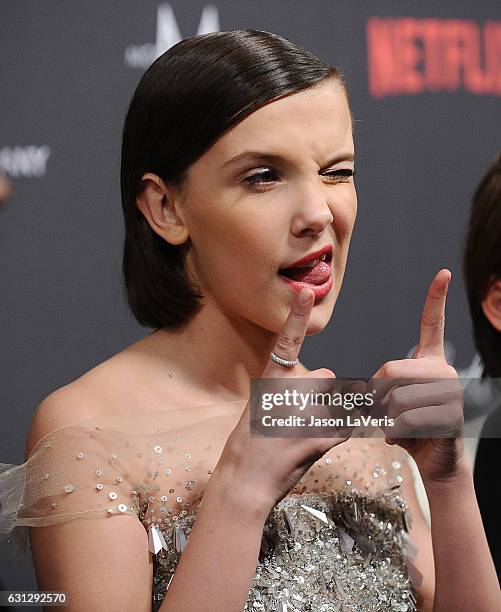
x=313 y=272
x=313 y=269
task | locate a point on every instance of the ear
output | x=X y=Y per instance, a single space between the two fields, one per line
x=491 y=304
x=160 y=204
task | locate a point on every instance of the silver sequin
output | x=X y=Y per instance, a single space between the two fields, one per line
x=329 y=568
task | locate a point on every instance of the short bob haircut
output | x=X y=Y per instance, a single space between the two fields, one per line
x=188 y=98
x=482 y=264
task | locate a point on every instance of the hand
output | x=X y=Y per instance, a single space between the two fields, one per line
x=267 y=468
x=424 y=397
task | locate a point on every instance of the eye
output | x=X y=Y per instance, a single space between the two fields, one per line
x=342 y=175
x=261 y=177
x=257 y=178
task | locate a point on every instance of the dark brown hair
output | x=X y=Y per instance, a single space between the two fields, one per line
x=482 y=264
x=188 y=98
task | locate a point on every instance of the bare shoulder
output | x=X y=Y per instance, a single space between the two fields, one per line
x=71 y=556
x=98 y=391
x=134 y=379
x=65 y=406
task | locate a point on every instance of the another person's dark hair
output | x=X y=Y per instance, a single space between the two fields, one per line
x=184 y=102
x=482 y=264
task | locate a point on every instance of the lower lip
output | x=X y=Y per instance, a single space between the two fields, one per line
x=319 y=290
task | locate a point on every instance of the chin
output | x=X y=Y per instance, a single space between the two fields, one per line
x=314 y=331
x=318 y=322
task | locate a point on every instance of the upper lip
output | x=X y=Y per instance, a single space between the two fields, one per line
x=326 y=249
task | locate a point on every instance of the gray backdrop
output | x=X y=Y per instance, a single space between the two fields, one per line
x=67 y=72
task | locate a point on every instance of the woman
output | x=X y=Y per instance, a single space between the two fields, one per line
x=482 y=272
x=237 y=165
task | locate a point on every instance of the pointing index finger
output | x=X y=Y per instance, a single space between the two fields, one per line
x=431 y=339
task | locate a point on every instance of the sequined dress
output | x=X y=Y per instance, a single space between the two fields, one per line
x=337 y=542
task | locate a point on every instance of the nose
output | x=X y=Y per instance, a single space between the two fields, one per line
x=313 y=212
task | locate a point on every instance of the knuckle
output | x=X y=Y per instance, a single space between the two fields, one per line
x=407 y=421
x=298 y=318
x=438 y=324
x=459 y=421
x=389 y=370
x=288 y=341
x=326 y=373
x=398 y=398
x=455 y=415
x=451 y=372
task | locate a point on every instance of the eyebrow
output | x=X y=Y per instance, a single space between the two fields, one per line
x=258 y=156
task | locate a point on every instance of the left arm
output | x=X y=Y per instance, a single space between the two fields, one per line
x=453 y=556
x=425 y=400
x=464 y=571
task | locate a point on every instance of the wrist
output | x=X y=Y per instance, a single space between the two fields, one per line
x=237 y=497
x=460 y=478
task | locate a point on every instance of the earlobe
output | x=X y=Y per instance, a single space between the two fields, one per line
x=491 y=305
x=159 y=204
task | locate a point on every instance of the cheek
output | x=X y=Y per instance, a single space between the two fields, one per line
x=236 y=254
x=344 y=211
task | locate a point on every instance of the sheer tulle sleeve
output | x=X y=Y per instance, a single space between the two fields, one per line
x=74 y=472
x=112 y=466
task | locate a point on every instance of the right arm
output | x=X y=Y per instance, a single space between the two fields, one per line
x=219 y=561
x=104 y=564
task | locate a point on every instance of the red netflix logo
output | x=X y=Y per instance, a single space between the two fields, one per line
x=412 y=56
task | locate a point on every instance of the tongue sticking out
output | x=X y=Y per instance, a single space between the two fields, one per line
x=317 y=275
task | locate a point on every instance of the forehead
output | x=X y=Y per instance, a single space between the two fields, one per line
x=315 y=122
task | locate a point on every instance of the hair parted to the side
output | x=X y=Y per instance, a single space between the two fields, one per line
x=482 y=264
x=188 y=98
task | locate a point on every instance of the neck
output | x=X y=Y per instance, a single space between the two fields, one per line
x=215 y=353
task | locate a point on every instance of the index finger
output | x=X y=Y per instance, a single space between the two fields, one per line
x=431 y=339
x=291 y=337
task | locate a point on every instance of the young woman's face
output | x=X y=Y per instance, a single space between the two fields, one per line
x=250 y=217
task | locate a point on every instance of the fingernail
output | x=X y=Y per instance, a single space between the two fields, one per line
x=304 y=296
